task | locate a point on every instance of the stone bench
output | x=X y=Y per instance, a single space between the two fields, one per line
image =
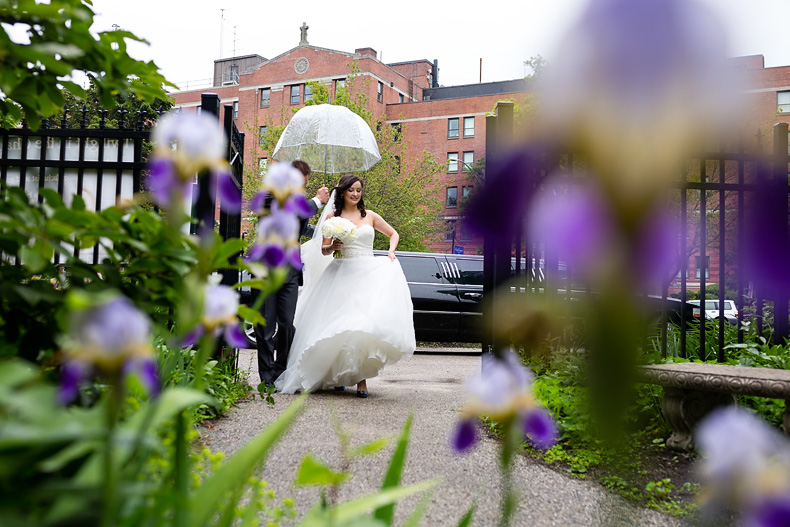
x=691 y=390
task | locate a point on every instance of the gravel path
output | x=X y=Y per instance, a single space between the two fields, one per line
x=430 y=387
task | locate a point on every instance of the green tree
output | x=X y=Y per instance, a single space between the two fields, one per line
x=537 y=64
x=60 y=42
x=130 y=106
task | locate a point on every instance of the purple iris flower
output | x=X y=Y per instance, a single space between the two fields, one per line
x=769 y=512
x=229 y=192
x=277 y=243
x=655 y=252
x=464 y=436
x=145 y=370
x=164 y=182
x=293 y=256
x=574 y=224
x=298 y=204
x=220 y=306
x=71 y=375
x=190 y=144
x=735 y=442
x=503 y=392
x=257 y=203
x=282 y=180
x=497 y=209
x=110 y=333
x=766 y=255
x=111 y=337
x=637 y=55
x=540 y=428
x=198 y=137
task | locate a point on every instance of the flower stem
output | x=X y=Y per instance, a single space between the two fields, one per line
x=110 y=487
x=181 y=509
x=510 y=444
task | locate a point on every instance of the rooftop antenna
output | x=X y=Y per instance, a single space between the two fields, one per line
x=234 y=42
x=221 y=30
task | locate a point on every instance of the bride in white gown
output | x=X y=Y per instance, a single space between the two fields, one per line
x=354 y=313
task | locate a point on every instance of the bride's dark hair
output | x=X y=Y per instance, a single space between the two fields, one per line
x=342 y=186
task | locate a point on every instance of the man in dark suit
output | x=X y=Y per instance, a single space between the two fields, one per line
x=280 y=306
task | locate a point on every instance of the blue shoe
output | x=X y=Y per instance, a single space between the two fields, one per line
x=339 y=388
x=362 y=394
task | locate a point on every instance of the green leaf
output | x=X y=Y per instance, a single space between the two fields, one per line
x=394 y=471
x=15 y=373
x=33 y=259
x=230 y=247
x=415 y=517
x=466 y=519
x=238 y=468
x=370 y=448
x=251 y=315
x=313 y=472
x=34 y=295
x=345 y=513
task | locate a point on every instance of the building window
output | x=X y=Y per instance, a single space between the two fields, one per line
x=295 y=94
x=235 y=109
x=266 y=94
x=452 y=161
x=380 y=94
x=397 y=164
x=469 y=126
x=400 y=97
x=262 y=165
x=308 y=92
x=783 y=101
x=452 y=128
x=700 y=266
x=396 y=132
x=452 y=196
x=465 y=234
x=449 y=231
x=466 y=191
x=339 y=83
x=469 y=158
x=262 y=135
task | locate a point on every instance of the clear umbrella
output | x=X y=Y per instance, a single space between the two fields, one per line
x=330 y=137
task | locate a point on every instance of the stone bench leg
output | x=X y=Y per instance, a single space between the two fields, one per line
x=787 y=417
x=684 y=408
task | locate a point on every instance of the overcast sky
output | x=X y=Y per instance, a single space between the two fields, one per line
x=186 y=36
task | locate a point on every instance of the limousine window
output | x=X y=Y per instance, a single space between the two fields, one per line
x=421 y=270
x=470 y=271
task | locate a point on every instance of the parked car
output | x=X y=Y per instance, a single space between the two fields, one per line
x=713 y=307
x=447 y=293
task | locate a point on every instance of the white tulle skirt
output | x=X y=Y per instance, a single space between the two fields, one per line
x=356 y=319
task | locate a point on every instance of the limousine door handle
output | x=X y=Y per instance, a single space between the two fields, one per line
x=473 y=295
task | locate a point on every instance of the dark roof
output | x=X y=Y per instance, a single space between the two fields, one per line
x=250 y=56
x=476 y=90
x=408 y=62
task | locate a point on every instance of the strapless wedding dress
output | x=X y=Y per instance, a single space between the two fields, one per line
x=353 y=321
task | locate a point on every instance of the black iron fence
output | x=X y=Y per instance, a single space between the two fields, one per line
x=101 y=165
x=710 y=199
x=205 y=205
x=104 y=165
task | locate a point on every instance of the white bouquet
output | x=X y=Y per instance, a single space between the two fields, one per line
x=340 y=229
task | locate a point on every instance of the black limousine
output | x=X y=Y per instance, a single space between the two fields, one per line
x=447 y=293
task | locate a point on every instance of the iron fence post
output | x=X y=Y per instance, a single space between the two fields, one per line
x=205 y=204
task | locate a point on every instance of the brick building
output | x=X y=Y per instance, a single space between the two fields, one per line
x=766 y=98
x=448 y=122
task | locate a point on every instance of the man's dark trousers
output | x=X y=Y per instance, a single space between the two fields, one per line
x=278 y=308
